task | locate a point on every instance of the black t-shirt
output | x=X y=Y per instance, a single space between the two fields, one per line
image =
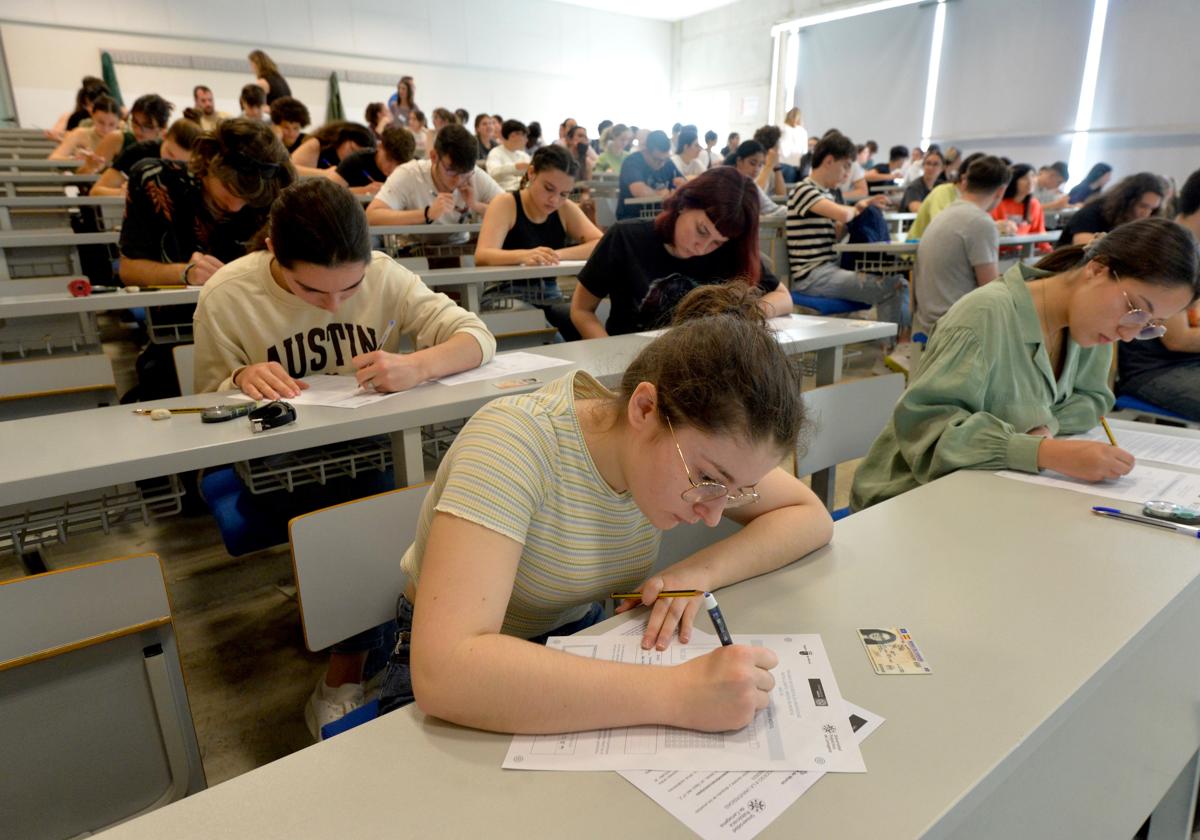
x=166 y=219
x=136 y=153
x=1138 y=358
x=359 y=169
x=1089 y=219
x=300 y=138
x=631 y=267
x=636 y=168
x=277 y=86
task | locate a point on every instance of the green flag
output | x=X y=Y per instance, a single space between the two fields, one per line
x=333 y=109
x=109 y=74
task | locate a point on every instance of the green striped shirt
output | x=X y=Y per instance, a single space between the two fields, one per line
x=521 y=468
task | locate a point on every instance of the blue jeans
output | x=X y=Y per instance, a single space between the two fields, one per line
x=396 y=690
x=1175 y=388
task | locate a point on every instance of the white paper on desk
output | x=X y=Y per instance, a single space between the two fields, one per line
x=334 y=391
x=721 y=806
x=805 y=726
x=506 y=364
x=1141 y=484
x=1150 y=446
x=636 y=626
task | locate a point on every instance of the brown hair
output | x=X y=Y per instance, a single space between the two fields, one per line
x=184 y=133
x=246 y=157
x=1156 y=251
x=730 y=200
x=263 y=63
x=720 y=370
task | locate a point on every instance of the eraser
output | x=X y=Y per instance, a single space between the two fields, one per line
x=160 y=414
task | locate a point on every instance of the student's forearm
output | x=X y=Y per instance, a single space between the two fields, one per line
x=150 y=273
x=639 y=189
x=460 y=352
x=588 y=324
x=768 y=542
x=578 y=252
x=520 y=687
x=499 y=256
x=387 y=216
x=777 y=302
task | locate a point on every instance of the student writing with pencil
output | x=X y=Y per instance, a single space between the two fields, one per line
x=318 y=300
x=548 y=502
x=1026 y=358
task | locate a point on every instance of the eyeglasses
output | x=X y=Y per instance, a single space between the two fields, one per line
x=1149 y=327
x=707 y=491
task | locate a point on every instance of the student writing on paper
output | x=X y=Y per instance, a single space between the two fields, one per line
x=532 y=225
x=707 y=233
x=1025 y=358
x=547 y=501
x=1165 y=371
x=321 y=152
x=317 y=300
x=176 y=144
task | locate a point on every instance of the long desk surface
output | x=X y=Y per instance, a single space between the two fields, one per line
x=57 y=303
x=1058 y=705
x=57 y=454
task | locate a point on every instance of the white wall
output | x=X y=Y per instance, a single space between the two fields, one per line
x=723 y=62
x=529 y=59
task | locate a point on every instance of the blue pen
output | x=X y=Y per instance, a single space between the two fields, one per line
x=718 y=620
x=1114 y=513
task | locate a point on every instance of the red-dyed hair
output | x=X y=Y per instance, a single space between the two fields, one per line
x=730 y=200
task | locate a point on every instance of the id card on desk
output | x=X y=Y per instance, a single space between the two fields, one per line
x=893 y=651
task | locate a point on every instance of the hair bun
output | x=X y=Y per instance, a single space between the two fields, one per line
x=736 y=298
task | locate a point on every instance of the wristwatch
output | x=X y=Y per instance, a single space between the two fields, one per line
x=183 y=278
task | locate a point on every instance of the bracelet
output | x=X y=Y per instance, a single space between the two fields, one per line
x=183 y=278
x=428 y=220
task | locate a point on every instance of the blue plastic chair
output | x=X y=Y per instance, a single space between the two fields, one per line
x=250 y=522
x=359 y=716
x=828 y=306
x=1128 y=403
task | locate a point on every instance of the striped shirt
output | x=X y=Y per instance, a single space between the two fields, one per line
x=520 y=467
x=810 y=238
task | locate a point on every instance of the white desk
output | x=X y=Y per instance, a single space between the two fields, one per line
x=1058 y=707
x=57 y=454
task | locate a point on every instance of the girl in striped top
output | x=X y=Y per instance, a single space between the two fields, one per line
x=548 y=501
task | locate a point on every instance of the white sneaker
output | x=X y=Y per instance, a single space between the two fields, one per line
x=326 y=705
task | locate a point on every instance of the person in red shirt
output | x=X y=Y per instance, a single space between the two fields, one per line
x=1020 y=207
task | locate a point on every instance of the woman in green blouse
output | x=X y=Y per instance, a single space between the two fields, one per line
x=1026 y=358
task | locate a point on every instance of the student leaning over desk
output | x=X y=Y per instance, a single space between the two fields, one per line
x=317 y=300
x=1026 y=358
x=588 y=478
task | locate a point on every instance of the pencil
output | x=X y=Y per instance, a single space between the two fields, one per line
x=666 y=593
x=1108 y=431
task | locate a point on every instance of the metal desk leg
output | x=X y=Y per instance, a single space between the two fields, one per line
x=829 y=371
x=408 y=463
x=1173 y=816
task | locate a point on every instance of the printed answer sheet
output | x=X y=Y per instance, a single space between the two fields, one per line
x=1140 y=484
x=721 y=806
x=785 y=327
x=1150 y=446
x=805 y=727
x=333 y=390
x=506 y=364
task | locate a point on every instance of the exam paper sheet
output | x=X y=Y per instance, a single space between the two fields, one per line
x=333 y=390
x=1141 y=484
x=507 y=364
x=722 y=806
x=805 y=727
x=1150 y=446
x=785 y=327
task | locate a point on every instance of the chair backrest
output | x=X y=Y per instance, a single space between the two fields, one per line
x=683 y=541
x=185 y=367
x=347 y=563
x=845 y=420
x=97 y=727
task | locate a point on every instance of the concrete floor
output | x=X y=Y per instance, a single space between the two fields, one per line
x=248 y=673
